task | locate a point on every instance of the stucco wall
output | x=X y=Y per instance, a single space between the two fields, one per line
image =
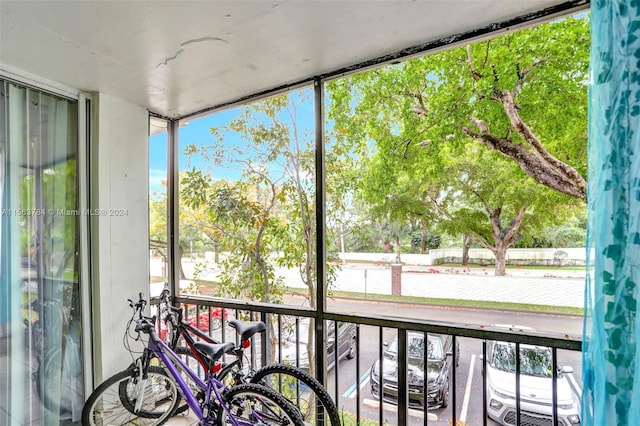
x=119 y=234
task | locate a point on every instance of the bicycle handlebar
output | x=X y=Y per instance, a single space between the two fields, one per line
x=143 y=323
x=140 y=304
x=168 y=311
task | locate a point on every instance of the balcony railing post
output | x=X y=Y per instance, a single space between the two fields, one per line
x=264 y=347
x=518 y=367
x=403 y=383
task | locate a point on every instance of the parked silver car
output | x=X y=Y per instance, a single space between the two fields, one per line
x=346 y=344
x=536 y=396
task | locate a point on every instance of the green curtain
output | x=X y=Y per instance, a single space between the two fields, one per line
x=611 y=388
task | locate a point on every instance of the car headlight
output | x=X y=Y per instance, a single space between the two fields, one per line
x=432 y=379
x=496 y=405
x=567 y=406
x=574 y=419
x=501 y=394
x=374 y=371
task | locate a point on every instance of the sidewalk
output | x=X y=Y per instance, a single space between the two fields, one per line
x=539 y=287
x=553 y=287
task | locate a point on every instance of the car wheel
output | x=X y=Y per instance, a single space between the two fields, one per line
x=445 y=397
x=352 y=349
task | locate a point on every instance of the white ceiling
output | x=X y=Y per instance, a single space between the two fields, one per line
x=179 y=57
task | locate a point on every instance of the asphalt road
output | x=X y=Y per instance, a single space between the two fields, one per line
x=551 y=322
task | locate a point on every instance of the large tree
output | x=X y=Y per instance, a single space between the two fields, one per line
x=522 y=96
x=527 y=100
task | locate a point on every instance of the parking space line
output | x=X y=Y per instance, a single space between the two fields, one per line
x=467 y=391
x=364 y=379
x=392 y=408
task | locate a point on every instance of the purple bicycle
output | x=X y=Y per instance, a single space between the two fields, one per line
x=150 y=390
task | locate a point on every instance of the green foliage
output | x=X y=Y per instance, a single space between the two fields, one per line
x=406 y=122
x=241 y=226
x=271 y=208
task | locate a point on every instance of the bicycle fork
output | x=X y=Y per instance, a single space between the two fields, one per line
x=141 y=385
x=142 y=367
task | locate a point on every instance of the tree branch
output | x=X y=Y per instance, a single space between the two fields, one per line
x=519 y=125
x=475 y=74
x=514 y=226
x=531 y=164
x=523 y=73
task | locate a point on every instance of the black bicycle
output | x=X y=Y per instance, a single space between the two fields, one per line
x=148 y=394
x=298 y=386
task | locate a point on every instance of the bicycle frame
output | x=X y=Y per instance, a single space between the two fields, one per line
x=161 y=350
x=184 y=329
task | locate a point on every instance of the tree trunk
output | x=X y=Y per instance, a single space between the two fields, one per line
x=500 y=253
x=425 y=234
x=467 y=240
x=503 y=236
x=179 y=263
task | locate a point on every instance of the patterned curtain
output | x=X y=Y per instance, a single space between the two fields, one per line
x=611 y=388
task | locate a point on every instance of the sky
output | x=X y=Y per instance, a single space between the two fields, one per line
x=197 y=132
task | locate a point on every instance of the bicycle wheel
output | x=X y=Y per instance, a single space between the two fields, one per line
x=113 y=402
x=252 y=404
x=301 y=389
x=59 y=381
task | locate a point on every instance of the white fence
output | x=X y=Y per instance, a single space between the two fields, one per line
x=552 y=256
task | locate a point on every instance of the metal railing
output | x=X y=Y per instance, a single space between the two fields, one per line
x=508 y=359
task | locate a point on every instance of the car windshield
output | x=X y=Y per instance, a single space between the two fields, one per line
x=534 y=361
x=416 y=347
x=303 y=331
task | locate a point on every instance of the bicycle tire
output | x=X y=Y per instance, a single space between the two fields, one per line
x=58 y=389
x=272 y=376
x=108 y=405
x=250 y=404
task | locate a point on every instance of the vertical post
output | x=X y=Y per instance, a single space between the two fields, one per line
x=396 y=279
x=173 y=208
x=321 y=252
x=403 y=384
x=84 y=203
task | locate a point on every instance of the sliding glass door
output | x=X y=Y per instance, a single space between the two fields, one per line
x=41 y=377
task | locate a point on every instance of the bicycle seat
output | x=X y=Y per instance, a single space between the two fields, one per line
x=246 y=329
x=213 y=351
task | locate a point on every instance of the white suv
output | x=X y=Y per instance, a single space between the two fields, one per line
x=536 y=396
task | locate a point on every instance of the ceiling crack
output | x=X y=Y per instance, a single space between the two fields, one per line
x=191 y=41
